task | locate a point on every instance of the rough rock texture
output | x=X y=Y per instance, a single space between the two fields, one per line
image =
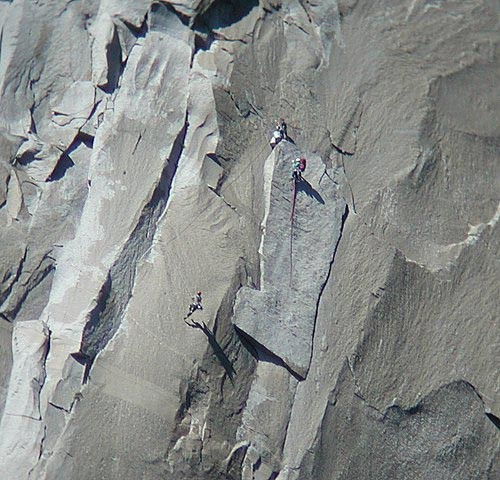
x=281 y=315
x=432 y=436
x=135 y=168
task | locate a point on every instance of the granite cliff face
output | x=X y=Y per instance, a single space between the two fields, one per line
x=359 y=341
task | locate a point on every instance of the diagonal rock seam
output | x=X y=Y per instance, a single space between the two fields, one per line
x=105 y=319
x=35 y=278
x=17 y=275
x=318 y=301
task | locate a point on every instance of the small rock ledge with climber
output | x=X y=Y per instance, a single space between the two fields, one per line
x=303 y=201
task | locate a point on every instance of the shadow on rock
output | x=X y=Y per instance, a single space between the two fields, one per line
x=224 y=13
x=219 y=353
x=263 y=354
x=309 y=190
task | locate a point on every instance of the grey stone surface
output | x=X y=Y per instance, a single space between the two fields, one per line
x=22 y=412
x=135 y=169
x=296 y=258
x=446 y=435
x=5 y=360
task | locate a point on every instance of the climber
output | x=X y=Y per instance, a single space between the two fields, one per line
x=275 y=139
x=281 y=127
x=195 y=305
x=279 y=134
x=299 y=167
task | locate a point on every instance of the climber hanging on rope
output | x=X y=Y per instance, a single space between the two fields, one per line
x=195 y=305
x=279 y=134
x=299 y=167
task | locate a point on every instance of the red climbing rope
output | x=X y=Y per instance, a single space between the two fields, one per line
x=294 y=198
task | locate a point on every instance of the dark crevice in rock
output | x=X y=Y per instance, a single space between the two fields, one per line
x=5 y=294
x=244 y=109
x=203 y=42
x=41 y=382
x=28 y=157
x=309 y=15
x=42 y=441
x=139 y=138
x=1 y=43
x=354 y=119
x=224 y=200
x=48 y=344
x=32 y=127
x=58 y=407
x=207 y=25
x=494 y=419
x=89 y=349
x=104 y=320
x=46 y=256
x=40 y=450
x=235 y=460
x=369 y=405
x=257 y=464
x=344 y=219
x=115 y=64
x=42 y=271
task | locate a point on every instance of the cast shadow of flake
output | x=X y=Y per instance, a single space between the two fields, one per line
x=66 y=162
x=218 y=351
x=309 y=190
x=261 y=353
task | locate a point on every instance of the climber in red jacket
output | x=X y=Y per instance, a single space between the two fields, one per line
x=299 y=167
